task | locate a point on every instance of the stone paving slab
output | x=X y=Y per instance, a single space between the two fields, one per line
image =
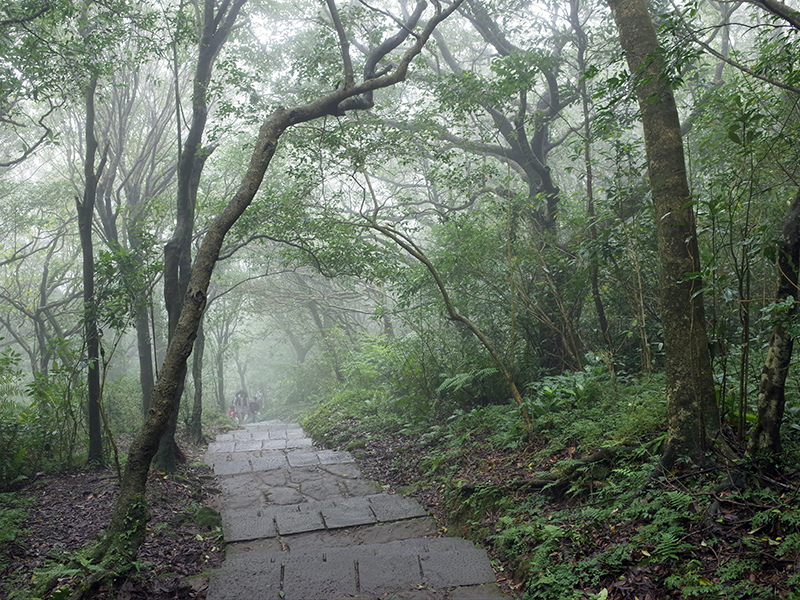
x=240 y=524
x=248 y=445
x=372 y=569
x=250 y=529
x=259 y=489
x=233 y=467
x=270 y=462
x=389 y=507
x=220 y=446
x=226 y=451
x=302 y=524
x=380 y=533
x=249 y=456
x=302 y=459
x=349 y=512
x=294 y=519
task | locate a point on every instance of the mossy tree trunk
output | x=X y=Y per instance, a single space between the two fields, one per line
x=765 y=439
x=693 y=416
x=196 y=422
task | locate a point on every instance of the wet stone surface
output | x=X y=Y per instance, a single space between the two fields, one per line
x=302 y=524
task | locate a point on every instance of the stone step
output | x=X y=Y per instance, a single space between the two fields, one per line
x=257 y=431
x=302 y=524
x=254 y=523
x=220 y=450
x=253 y=459
x=368 y=570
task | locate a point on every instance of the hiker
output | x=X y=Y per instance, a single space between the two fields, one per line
x=240 y=401
x=254 y=407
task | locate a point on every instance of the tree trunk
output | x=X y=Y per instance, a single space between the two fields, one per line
x=216 y=26
x=693 y=416
x=196 y=423
x=594 y=269
x=765 y=439
x=85 y=209
x=241 y=369
x=327 y=341
x=220 y=364
x=146 y=375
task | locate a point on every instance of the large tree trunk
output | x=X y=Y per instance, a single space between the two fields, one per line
x=693 y=417
x=765 y=439
x=85 y=207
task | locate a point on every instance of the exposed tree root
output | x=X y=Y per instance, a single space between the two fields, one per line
x=554 y=483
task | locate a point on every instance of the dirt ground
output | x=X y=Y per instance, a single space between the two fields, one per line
x=70 y=508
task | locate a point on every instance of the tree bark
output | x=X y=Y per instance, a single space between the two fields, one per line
x=765 y=439
x=85 y=207
x=216 y=26
x=693 y=417
x=196 y=423
x=220 y=365
x=143 y=345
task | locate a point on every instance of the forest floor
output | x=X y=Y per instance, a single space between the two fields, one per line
x=731 y=544
x=66 y=510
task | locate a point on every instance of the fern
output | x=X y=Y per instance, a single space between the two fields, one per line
x=678 y=500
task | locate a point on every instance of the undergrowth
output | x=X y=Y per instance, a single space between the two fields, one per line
x=578 y=509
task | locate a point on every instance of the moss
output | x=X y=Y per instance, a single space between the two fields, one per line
x=205 y=516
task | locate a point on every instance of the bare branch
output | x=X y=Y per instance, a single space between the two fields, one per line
x=737 y=65
x=364 y=100
x=31 y=149
x=344 y=44
x=780 y=10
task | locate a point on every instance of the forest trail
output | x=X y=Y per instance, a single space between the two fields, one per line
x=303 y=524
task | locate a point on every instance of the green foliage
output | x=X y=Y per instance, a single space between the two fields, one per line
x=613 y=518
x=122 y=280
x=553 y=394
x=122 y=403
x=621 y=414
x=12 y=516
x=398 y=384
x=40 y=429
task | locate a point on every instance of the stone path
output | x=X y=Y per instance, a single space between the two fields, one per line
x=302 y=524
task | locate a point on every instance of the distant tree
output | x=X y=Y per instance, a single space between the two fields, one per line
x=85 y=207
x=134 y=117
